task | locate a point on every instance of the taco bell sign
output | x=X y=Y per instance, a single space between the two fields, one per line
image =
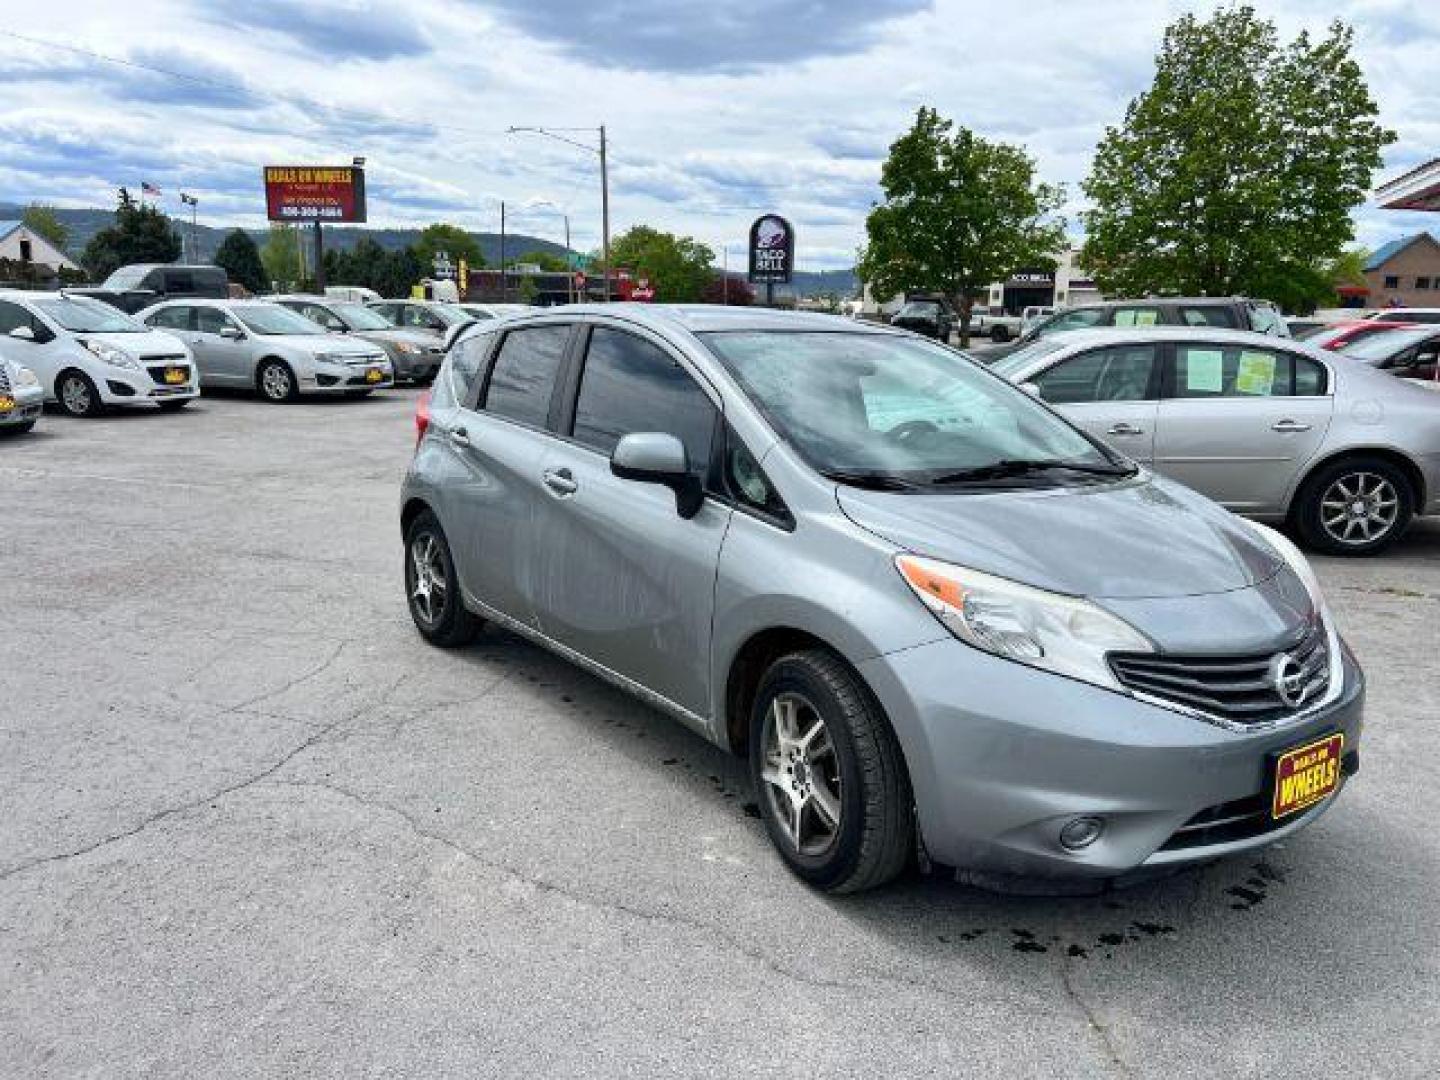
x=772 y=250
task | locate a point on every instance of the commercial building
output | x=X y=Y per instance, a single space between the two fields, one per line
x=1403 y=273
x=1064 y=286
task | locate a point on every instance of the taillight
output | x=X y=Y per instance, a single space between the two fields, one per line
x=422 y=416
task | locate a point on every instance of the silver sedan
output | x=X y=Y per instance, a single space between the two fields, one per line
x=1268 y=428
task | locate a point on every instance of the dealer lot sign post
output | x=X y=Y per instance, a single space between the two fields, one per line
x=301 y=194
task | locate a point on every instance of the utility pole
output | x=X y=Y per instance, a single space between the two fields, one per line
x=504 y=280
x=319 y=258
x=603 y=150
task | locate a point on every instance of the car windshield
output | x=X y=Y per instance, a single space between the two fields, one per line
x=1387 y=343
x=885 y=411
x=127 y=277
x=1020 y=358
x=476 y=312
x=268 y=320
x=918 y=311
x=89 y=316
x=360 y=317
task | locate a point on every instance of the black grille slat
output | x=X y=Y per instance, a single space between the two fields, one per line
x=1234 y=688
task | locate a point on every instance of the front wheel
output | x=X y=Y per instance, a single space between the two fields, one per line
x=276 y=381
x=432 y=588
x=832 y=786
x=1357 y=506
x=999 y=334
x=78 y=396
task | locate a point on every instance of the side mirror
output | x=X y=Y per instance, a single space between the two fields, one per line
x=1033 y=389
x=23 y=333
x=231 y=332
x=653 y=457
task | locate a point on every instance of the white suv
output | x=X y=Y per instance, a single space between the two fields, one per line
x=89 y=357
x=258 y=345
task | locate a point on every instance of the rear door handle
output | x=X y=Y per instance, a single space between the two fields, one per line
x=560 y=481
x=460 y=437
x=1289 y=426
x=1125 y=429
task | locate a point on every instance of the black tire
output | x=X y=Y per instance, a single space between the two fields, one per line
x=356 y=395
x=276 y=382
x=173 y=406
x=1373 y=480
x=17 y=429
x=875 y=835
x=77 y=395
x=999 y=333
x=450 y=624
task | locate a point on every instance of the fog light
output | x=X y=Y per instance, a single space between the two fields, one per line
x=1081 y=832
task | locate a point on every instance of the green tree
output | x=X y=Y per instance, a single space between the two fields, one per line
x=240 y=258
x=677 y=267
x=41 y=218
x=547 y=261
x=1235 y=173
x=280 y=255
x=141 y=234
x=451 y=239
x=959 y=212
x=1348 y=268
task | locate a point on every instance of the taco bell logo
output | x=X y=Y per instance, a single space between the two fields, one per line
x=772 y=250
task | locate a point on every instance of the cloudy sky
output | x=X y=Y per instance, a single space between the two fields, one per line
x=714 y=110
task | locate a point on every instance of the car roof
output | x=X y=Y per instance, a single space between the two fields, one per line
x=705 y=318
x=1104 y=335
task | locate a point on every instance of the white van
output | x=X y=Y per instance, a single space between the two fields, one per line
x=355 y=294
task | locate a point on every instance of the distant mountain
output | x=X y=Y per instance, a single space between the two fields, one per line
x=83 y=224
x=843 y=283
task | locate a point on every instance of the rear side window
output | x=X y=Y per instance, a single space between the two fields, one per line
x=466 y=363
x=179 y=281
x=630 y=385
x=1208 y=315
x=1235 y=371
x=1078 y=319
x=1265 y=319
x=522 y=381
x=1309 y=377
x=209 y=320
x=1137 y=316
x=1118 y=373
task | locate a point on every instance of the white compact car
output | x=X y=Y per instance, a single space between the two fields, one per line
x=90 y=357
x=262 y=346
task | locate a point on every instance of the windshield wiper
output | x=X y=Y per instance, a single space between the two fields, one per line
x=1007 y=467
x=875 y=481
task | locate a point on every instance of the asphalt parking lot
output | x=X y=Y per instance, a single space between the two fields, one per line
x=251 y=826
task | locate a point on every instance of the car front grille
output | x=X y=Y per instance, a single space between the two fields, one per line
x=1239 y=689
x=5 y=386
x=157 y=372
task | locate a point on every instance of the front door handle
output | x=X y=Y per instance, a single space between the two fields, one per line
x=1123 y=428
x=560 y=481
x=1289 y=426
x=460 y=437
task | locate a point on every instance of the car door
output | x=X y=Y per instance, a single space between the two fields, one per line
x=499 y=440
x=619 y=575
x=179 y=322
x=1111 y=392
x=1237 y=422
x=222 y=360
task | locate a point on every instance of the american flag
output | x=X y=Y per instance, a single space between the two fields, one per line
x=147 y=188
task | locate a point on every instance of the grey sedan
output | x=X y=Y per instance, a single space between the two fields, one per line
x=1270 y=428
x=414 y=357
x=934 y=615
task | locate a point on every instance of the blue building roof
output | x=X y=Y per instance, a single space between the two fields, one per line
x=7 y=227
x=1378 y=258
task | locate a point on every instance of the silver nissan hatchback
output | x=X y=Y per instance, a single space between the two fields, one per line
x=936 y=617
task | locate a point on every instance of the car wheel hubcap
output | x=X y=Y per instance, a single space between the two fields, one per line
x=76 y=395
x=801 y=774
x=277 y=382
x=428 y=585
x=1359 y=508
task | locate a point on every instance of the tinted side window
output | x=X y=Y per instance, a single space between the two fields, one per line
x=172 y=318
x=179 y=281
x=466 y=362
x=1119 y=373
x=1078 y=319
x=630 y=385
x=1220 y=317
x=209 y=320
x=1215 y=371
x=747 y=484
x=12 y=317
x=523 y=378
x=1309 y=377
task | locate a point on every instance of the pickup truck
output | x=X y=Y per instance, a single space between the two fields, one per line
x=995 y=321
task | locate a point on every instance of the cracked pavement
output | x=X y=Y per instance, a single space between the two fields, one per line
x=250 y=826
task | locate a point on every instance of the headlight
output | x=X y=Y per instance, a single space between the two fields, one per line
x=111 y=355
x=25 y=377
x=1046 y=630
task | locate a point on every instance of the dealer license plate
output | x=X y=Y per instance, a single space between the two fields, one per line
x=1306 y=775
x=374 y=375
x=7 y=403
x=174 y=376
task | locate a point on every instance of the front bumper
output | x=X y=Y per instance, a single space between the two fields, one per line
x=347 y=378
x=416 y=366
x=28 y=401
x=1002 y=756
x=129 y=386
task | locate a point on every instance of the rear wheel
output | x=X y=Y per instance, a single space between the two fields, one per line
x=832 y=786
x=77 y=395
x=1356 y=506
x=276 y=381
x=432 y=588
x=999 y=333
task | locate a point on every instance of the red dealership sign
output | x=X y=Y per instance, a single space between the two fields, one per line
x=314 y=193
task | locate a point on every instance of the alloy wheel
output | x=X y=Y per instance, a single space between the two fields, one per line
x=1359 y=508
x=75 y=395
x=276 y=382
x=429 y=585
x=801 y=774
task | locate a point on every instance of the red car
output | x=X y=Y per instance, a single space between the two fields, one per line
x=1337 y=335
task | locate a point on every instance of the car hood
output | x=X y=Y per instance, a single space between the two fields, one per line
x=1144 y=538
x=334 y=344
x=150 y=343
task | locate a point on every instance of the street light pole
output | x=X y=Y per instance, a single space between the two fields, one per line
x=603 y=150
